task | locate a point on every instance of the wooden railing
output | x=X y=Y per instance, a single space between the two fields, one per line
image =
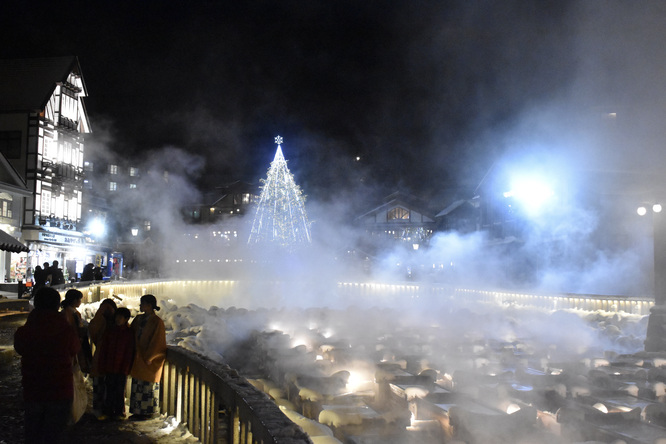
x=220 y=406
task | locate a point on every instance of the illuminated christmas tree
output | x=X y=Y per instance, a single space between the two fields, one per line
x=281 y=218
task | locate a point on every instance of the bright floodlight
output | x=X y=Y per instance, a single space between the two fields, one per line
x=97 y=227
x=530 y=192
x=641 y=211
x=656 y=208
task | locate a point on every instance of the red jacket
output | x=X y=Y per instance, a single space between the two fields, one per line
x=47 y=345
x=117 y=351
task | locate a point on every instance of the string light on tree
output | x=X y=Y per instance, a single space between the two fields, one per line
x=281 y=218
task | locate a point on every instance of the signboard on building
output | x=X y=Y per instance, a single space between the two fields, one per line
x=47 y=236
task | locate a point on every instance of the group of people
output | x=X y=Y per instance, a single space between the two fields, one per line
x=56 y=344
x=50 y=275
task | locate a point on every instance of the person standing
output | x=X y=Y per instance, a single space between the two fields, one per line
x=99 y=324
x=149 y=357
x=57 y=277
x=72 y=301
x=115 y=363
x=47 y=345
x=40 y=278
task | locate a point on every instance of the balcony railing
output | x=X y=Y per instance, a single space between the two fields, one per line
x=218 y=405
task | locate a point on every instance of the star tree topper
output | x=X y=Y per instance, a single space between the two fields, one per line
x=278 y=140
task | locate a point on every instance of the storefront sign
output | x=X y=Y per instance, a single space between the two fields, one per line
x=46 y=236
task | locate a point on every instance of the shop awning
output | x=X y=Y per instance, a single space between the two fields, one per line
x=9 y=243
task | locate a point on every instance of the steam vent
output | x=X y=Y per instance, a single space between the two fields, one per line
x=434 y=365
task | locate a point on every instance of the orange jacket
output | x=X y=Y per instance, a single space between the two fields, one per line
x=151 y=347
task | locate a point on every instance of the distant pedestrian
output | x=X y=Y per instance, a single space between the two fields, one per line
x=98 y=273
x=150 y=336
x=88 y=273
x=57 y=277
x=47 y=345
x=40 y=278
x=99 y=324
x=47 y=273
x=115 y=363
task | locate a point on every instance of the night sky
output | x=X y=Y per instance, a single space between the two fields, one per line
x=429 y=94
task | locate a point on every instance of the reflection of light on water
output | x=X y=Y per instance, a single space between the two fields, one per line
x=512 y=408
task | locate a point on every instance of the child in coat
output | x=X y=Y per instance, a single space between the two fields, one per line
x=115 y=364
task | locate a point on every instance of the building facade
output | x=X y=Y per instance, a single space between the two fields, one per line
x=43 y=122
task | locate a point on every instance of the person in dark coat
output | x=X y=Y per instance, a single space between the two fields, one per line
x=47 y=273
x=40 y=278
x=57 y=277
x=115 y=363
x=47 y=345
x=88 y=273
x=100 y=323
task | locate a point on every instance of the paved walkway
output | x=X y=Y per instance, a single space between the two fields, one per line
x=162 y=430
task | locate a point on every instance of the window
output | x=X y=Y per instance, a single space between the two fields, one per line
x=6 y=208
x=113 y=186
x=88 y=166
x=398 y=213
x=246 y=198
x=146 y=225
x=6 y=205
x=46 y=203
x=113 y=169
x=132 y=186
x=10 y=144
x=133 y=171
x=66 y=155
x=87 y=184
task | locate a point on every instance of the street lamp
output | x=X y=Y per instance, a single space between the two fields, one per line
x=642 y=210
x=135 y=231
x=656 y=331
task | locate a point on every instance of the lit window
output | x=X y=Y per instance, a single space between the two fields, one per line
x=132 y=186
x=133 y=171
x=87 y=184
x=6 y=205
x=113 y=186
x=46 y=202
x=113 y=169
x=246 y=198
x=146 y=225
x=88 y=166
x=398 y=213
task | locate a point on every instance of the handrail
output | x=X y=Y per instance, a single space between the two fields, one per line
x=213 y=400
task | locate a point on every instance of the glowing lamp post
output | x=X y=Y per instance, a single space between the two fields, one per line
x=656 y=331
